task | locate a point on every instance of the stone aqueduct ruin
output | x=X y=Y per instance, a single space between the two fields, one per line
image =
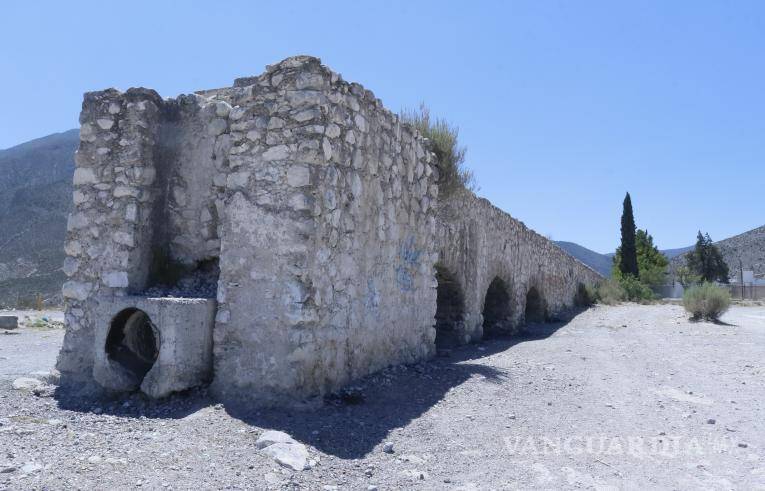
x=280 y=238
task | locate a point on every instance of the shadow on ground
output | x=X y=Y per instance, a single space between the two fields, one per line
x=391 y=399
x=347 y=427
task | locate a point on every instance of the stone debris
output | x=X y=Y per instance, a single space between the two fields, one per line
x=27 y=383
x=31 y=467
x=196 y=284
x=283 y=449
x=49 y=377
x=292 y=455
x=271 y=437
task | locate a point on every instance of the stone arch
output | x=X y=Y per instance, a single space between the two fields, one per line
x=133 y=342
x=450 y=309
x=496 y=308
x=536 y=308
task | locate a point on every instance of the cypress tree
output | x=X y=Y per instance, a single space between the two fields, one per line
x=628 y=263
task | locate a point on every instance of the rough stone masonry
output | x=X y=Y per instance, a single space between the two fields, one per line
x=278 y=239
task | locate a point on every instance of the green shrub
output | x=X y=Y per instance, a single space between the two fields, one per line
x=636 y=290
x=585 y=295
x=453 y=174
x=706 y=301
x=610 y=292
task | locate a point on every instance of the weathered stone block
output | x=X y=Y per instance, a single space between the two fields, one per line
x=105 y=123
x=168 y=350
x=9 y=322
x=84 y=175
x=76 y=290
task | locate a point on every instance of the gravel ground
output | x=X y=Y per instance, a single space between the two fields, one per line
x=629 y=397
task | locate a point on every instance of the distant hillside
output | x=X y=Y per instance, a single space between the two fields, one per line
x=672 y=253
x=35 y=199
x=748 y=247
x=599 y=262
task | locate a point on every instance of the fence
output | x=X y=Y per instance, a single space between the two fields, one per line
x=669 y=291
x=747 y=292
x=738 y=292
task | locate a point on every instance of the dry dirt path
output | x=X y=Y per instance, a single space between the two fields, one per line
x=627 y=397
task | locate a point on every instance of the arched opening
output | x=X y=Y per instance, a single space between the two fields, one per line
x=583 y=297
x=450 y=309
x=133 y=342
x=496 y=309
x=535 y=306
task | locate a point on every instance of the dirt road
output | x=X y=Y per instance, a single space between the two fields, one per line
x=629 y=397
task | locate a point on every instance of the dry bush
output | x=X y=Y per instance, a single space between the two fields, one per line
x=610 y=292
x=706 y=301
x=585 y=295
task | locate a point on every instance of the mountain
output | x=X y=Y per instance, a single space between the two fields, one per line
x=673 y=253
x=599 y=262
x=749 y=247
x=35 y=199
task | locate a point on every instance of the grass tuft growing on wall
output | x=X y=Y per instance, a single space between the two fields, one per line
x=450 y=156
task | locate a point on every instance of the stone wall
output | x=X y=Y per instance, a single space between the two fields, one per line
x=478 y=242
x=312 y=212
x=109 y=231
x=327 y=228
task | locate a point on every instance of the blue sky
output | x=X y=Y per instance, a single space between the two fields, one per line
x=563 y=106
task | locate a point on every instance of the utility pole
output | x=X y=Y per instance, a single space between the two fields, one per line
x=741 y=269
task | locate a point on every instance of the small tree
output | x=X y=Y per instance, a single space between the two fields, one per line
x=453 y=174
x=686 y=277
x=652 y=264
x=706 y=261
x=628 y=264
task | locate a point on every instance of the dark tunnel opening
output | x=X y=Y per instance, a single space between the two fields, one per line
x=496 y=309
x=450 y=309
x=535 y=306
x=133 y=342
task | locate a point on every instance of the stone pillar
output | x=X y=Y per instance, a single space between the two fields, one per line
x=109 y=232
